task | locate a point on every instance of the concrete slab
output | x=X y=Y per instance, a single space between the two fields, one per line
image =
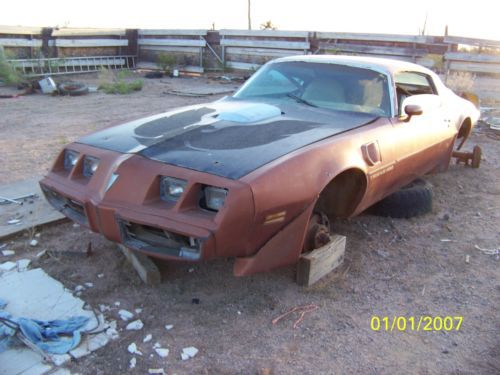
x=34 y=294
x=33 y=212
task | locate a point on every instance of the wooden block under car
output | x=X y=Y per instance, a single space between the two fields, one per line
x=315 y=264
x=146 y=269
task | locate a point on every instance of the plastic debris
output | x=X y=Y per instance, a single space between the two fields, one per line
x=488 y=251
x=13 y=221
x=100 y=276
x=147 y=338
x=104 y=308
x=41 y=254
x=136 y=325
x=89 y=285
x=133 y=362
x=168 y=327
x=162 y=352
x=138 y=311
x=117 y=303
x=188 y=352
x=156 y=345
x=156 y=371
x=33 y=242
x=79 y=288
x=132 y=349
x=467 y=259
x=125 y=315
x=7 y=253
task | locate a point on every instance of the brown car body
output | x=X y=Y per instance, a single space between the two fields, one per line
x=270 y=199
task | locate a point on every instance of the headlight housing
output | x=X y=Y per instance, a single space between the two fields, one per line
x=90 y=165
x=171 y=189
x=214 y=197
x=70 y=159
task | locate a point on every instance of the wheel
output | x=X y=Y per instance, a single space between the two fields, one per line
x=73 y=88
x=318 y=232
x=412 y=200
x=476 y=157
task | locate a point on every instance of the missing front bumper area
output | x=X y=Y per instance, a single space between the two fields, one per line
x=71 y=208
x=159 y=241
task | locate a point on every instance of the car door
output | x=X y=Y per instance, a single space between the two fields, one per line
x=421 y=140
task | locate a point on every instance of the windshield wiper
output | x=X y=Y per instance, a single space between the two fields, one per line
x=300 y=100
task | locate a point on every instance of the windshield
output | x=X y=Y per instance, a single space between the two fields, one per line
x=323 y=85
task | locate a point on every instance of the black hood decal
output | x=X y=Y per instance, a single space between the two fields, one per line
x=197 y=139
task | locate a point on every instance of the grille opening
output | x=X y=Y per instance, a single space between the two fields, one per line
x=69 y=207
x=159 y=241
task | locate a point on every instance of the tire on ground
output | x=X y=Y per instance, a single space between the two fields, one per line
x=73 y=88
x=412 y=200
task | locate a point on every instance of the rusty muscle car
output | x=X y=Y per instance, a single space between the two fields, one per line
x=246 y=176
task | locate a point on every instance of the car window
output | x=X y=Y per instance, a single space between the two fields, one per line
x=329 y=86
x=412 y=83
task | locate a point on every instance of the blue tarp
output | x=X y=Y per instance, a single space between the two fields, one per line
x=44 y=334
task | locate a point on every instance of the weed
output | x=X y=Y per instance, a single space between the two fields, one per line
x=166 y=62
x=460 y=81
x=8 y=74
x=112 y=83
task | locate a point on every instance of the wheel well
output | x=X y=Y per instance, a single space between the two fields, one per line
x=465 y=128
x=342 y=194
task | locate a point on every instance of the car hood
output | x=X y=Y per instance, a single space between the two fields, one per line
x=228 y=138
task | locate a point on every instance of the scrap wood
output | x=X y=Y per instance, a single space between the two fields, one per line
x=303 y=310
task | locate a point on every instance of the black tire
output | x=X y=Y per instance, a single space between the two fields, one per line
x=73 y=88
x=412 y=200
x=154 y=75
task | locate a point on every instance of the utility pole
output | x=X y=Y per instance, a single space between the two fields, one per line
x=249 y=17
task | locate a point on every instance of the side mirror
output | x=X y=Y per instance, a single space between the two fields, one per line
x=413 y=110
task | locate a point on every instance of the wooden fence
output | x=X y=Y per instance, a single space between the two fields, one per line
x=238 y=49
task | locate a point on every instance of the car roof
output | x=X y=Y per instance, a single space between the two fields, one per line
x=375 y=63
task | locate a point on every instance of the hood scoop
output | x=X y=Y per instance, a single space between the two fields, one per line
x=249 y=113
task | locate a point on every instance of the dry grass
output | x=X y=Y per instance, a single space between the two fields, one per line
x=460 y=81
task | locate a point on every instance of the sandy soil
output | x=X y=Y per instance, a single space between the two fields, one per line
x=393 y=267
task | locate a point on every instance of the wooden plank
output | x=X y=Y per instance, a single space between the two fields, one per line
x=31 y=215
x=318 y=263
x=472 y=41
x=265 y=33
x=14 y=42
x=242 y=65
x=171 y=32
x=146 y=269
x=77 y=43
x=469 y=57
x=20 y=30
x=376 y=37
x=475 y=67
x=172 y=42
x=375 y=50
x=171 y=49
x=265 y=44
x=261 y=52
x=153 y=66
x=87 y=32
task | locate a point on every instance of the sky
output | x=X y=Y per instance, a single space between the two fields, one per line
x=478 y=19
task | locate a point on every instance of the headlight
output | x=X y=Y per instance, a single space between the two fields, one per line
x=214 y=197
x=171 y=188
x=70 y=159
x=90 y=165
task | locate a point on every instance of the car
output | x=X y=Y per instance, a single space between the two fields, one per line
x=256 y=176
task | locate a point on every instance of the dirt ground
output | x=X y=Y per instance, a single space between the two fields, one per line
x=394 y=267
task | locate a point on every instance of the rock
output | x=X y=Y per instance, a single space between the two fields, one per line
x=113 y=333
x=125 y=315
x=156 y=371
x=162 y=352
x=79 y=288
x=23 y=264
x=7 y=253
x=117 y=303
x=138 y=311
x=98 y=341
x=7 y=266
x=100 y=276
x=60 y=359
x=104 y=308
x=133 y=362
x=132 y=349
x=13 y=221
x=33 y=242
x=148 y=338
x=382 y=253
x=89 y=285
x=168 y=327
x=136 y=325
x=188 y=352
x=38 y=235
x=156 y=345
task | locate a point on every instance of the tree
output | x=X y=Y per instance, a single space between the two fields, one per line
x=268 y=25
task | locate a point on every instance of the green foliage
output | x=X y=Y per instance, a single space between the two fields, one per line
x=118 y=83
x=8 y=74
x=437 y=61
x=166 y=62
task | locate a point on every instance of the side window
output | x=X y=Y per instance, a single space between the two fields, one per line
x=412 y=83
